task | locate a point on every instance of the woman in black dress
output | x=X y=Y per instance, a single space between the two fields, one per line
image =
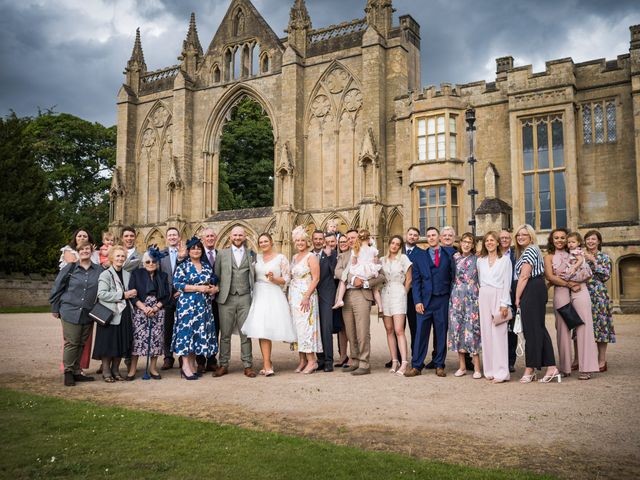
x=113 y=341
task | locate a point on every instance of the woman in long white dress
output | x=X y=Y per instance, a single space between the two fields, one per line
x=269 y=317
x=303 y=299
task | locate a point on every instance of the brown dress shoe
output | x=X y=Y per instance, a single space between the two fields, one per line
x=361 y=371
x=201 y=369
x=220 y=372
x=167 y=364
x=248 y=372
x=440 y=372
x=350 y=368
x=412 y=372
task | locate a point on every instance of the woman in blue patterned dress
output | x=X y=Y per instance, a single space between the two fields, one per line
x=600 y=265
x=464 y=316
x=194 y=329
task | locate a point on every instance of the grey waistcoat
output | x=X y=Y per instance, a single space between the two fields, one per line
x=240 y=284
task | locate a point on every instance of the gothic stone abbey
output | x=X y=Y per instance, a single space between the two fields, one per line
x=357 y=139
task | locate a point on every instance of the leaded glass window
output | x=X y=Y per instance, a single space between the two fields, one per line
x=611 y=121
x=545 y=196
x=437 y=137
x=599 y=122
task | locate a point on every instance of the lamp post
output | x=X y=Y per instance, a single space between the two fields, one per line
x=470 y=117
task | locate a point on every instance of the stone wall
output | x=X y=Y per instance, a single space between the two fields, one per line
x=19 y=290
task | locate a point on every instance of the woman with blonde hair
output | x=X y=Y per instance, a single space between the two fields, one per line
x=114 y=341
x=531 y=299
x=303 y=301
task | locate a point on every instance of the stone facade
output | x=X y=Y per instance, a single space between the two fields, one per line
x=19 y=290
x=357 y=139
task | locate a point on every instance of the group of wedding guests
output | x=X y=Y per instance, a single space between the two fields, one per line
x=190 y=299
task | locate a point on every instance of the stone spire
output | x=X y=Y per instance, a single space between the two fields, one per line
x=191 y=49
x=380 y=15
x=299 y=26
x=135 y=66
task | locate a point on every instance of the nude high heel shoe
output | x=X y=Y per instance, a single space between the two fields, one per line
x=550 y=378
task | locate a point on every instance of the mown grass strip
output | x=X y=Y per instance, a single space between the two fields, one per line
x=46 y=437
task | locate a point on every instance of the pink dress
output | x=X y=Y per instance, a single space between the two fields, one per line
x=587 y=348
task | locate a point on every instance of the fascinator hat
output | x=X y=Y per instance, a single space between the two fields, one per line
x=192 y=242
x=155 y=254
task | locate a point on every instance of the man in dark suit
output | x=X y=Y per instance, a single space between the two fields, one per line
x=432 y=274
x=209 y=239
x=176 y=253
x=506 y=249
x=326 y=289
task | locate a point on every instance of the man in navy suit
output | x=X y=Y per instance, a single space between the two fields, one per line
x=328 y=258
x=176 y=253
x=209 y=239
x=432 y=273
x=507 y=249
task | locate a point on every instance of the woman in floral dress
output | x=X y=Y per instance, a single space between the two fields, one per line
x=303 y=300
x=600 y=265
x=464 y=316
x=194 y=329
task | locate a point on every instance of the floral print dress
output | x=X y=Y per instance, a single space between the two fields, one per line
x=603 y=330
x=194 y=329
x=464 y=314
x=307 y=324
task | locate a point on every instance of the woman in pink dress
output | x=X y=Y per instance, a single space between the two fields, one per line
x=574 y=292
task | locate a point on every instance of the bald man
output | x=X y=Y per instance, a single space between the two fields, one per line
x=234 y=268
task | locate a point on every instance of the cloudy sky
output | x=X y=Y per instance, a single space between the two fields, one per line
x=69 y=54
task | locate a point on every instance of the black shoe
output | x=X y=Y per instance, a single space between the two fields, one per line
x=69 y=381
x=328 y=368
x=82 y=378
x=431 y=366
x=512 y=369
x=388 y=364
x=320 y=366
x=155 y=377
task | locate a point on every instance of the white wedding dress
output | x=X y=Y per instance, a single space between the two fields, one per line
x=269 y=316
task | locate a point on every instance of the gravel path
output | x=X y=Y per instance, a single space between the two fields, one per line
x=574 y=429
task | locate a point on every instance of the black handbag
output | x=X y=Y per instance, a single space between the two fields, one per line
x=570 y=316
x=101 y=314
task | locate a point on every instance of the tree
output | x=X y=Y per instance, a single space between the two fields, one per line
x=30 y=232
x=246 y=159
x=77 y=157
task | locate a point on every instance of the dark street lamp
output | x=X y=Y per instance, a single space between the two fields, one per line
x=470 y=117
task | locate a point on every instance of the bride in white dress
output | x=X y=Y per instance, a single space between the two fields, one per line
x=269 y=317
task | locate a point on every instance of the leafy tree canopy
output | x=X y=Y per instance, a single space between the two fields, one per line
x=77 y=157
x=246 y=159
x=31 y=232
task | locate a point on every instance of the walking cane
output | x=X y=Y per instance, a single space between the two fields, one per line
x=146 y=375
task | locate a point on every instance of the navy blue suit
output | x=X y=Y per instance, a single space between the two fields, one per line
x=512 y=338
x=431 y=286
x=411 y=307
x=326 y=298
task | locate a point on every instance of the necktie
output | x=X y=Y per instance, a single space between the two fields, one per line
x=409 y=250
x=173 y=259
x=210 y=256
x=437 y=257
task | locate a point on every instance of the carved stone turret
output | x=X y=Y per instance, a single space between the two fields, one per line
x=299 y=26
x=135 y=66
x=192 y=54
x=380 y=15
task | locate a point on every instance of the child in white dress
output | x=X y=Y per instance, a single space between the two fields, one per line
x=365 y=265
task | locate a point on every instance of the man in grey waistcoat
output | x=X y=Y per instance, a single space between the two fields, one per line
x=234 y=268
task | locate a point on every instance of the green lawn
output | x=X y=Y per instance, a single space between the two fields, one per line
x=45 y=437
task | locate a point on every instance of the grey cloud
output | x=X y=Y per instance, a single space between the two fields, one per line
x=459 y=39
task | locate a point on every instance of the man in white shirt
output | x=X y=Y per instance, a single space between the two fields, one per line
x=209 y=239
x=176 y=253
x=134 y=258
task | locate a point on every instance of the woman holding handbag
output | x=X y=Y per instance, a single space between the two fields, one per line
x=494 y=274
x=72 y=296
x=531 y=299
x=113 y=340
x=572 y=292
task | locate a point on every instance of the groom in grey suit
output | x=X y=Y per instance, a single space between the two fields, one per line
x=234 y=268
